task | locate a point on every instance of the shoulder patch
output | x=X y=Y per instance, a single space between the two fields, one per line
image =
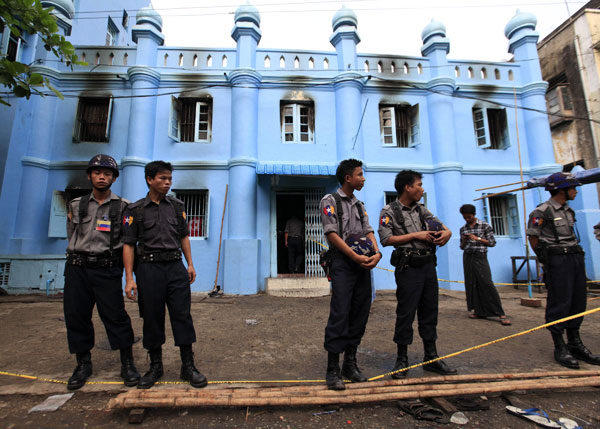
x=384 y=220
x=127 y=220
x=329 y=210
x=537 y=221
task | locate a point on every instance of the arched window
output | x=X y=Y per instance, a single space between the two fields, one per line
x=282 y=62
x=125 y=57
x=484 y=73
x=497 y=74
x=393 y=67
x=166 y=59
x=224 y=61
x=111 y=58
x=470 y=70
x=326 y=64
x=456 y=71
x=267 y=62
x=296 y=63
x=195 y=63
x=311 y=63
x=419 y=68
x=511 y=76
x=379 y=67
x=209 y=61
x=366 y=66
x=180 y=60
x=83 y=57
x=406 y=69
x=97 y=58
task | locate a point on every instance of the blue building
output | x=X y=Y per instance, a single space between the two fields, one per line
x=272 y=125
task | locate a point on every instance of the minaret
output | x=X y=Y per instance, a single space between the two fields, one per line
x=144 y=79
x=348 y=85
x=446 y=166
x=36 y=162
x=522 y=43
x=241 y=264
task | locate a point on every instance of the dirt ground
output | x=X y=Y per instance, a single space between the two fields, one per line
x=286 y=343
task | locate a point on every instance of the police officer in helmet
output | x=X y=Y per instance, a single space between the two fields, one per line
x=94 y=272
x=552 y=234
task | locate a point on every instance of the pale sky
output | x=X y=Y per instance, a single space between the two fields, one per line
x=393 y=27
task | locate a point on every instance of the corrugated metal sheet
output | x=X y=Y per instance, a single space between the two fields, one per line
x=296 y=169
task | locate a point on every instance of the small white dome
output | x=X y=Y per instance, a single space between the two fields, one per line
x=344 y=16
x=148 y=15
x=434 y=28
x=519 y=21
x=247 y=13
x=65 y=7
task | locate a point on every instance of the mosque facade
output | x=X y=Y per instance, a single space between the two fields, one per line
x=263 y=130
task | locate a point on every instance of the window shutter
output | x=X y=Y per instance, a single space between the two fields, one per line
x=486 y=209
x=480 y=124
x=174 y=119
x=504 y=130
x=513 y=217
x=387 y=123
x=108 y=118
x=77 y=126
x=414 y=126
x=57 y=225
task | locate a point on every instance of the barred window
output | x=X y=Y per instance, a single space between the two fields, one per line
x=191 y=120
x=92 y=123
x=4 y=273
x=196 y=209
x=502 y=214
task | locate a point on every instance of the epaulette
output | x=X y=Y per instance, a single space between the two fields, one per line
x=137 y=203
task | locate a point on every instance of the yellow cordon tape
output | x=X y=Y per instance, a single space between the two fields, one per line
x=489 y=343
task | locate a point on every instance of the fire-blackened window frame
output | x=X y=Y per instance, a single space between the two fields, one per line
x=191 y=120
x=491 y=128
x=399 y=125
x=92 y=122
x=297 y=121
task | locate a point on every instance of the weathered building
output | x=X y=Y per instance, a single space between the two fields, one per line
x=272 y=124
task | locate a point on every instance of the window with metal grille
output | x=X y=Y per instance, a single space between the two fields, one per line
x=502 y=214
x=92 y=123
x=491 y=128
x=297 y=122
x=196 y=210
x=4 y=273
x=399 y=125
x=191 y=120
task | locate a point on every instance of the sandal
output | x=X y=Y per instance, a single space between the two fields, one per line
x=535 y=415
x=504 y=320
x=473 y=316
x=421 y=411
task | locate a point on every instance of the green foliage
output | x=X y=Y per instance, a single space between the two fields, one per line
x=30 y=17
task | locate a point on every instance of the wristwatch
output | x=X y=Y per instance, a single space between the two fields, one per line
x=479 y=238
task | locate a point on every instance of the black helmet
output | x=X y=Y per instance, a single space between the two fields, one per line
x=103 y=161
x=561 y=181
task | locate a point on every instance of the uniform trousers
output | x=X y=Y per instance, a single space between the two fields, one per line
x=161 y=283
x=86 y=287
x=566 y=283
x=295 y=254
x=416 y=292
x=350 y=304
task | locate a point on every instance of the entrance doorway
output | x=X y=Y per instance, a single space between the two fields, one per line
x=303 y=203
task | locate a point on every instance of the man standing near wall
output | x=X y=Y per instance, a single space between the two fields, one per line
x=157 y=224
x=476 y=236
x=551 y=232
x=413 y=230
x=94 y=273
x=354 y=253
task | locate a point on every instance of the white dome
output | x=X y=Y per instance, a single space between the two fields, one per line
x=344 y=16
x=148 y=15
x=248 y=13
x=519 y=21
x=434 y=28
x=65 y=7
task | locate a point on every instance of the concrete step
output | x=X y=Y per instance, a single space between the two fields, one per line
x=298 y=287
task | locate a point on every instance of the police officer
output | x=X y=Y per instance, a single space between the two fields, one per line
x=157 y=224
x=94 y=272
x=350 y=273
x=414 y=232
x=552 y=234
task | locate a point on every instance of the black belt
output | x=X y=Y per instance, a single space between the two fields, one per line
x=88 y=261
x=411 y=251
x=161 y=256
x=565 y=250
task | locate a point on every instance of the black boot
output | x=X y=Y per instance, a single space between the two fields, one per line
x=188 y=370
x=401 y=362
x=332 y=377
x=562 y=354
x=439 y=366
x=82 y=371
x=578 y=350
x=155 y=372
x=350 y=368
x=129 y=374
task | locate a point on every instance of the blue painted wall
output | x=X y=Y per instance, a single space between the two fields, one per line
x=38 y=156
